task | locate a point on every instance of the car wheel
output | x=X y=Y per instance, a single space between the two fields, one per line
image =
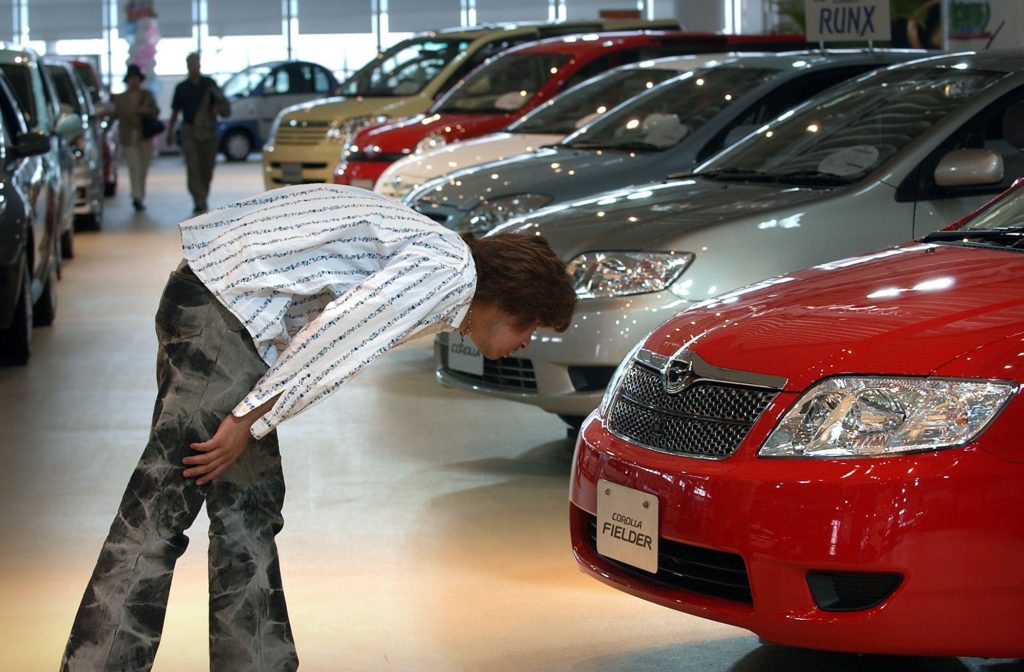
x=16 y=340
x=45 y=309
x=237 y=145
x=91 y=221
x=67 y=244
x=110 y=188
x=574 y=421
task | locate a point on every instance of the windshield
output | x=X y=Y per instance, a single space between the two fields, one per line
x=852 y=130
x=503 y=85
x=662 y=118
x=404 y=69
x=585 y=102
x=242 y=84
x=1000 y=224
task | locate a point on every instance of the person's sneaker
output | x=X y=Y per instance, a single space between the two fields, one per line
x=137 y=204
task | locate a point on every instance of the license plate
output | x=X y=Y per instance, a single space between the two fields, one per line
x=463 y=356
x=627 y=525
x=291 y=173
x=363 y=184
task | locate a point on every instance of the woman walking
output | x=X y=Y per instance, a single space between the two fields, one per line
x=130 y=108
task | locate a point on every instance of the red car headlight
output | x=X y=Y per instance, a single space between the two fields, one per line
x=868 y=416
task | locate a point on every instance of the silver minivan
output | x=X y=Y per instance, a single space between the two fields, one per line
x=877 y=161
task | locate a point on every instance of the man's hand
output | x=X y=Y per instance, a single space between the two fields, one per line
x=220 y=452
x=226 y=445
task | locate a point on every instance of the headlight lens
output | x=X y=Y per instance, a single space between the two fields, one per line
x=852 y=416
x=616 y=380
x=608 y=274
x=339 y=131
x=432 y=141
x=490 y=213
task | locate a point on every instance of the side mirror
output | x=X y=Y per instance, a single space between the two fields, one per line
x=69 y=124
x=32 y=143
x=969 y=167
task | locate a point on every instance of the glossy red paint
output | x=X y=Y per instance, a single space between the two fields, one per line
x=951 y=521
x=384 y=144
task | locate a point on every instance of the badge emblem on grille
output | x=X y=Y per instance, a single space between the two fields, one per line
x=678 y=375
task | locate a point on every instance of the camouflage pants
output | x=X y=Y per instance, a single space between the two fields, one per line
x=206 y=364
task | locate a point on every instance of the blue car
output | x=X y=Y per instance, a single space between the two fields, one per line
x=258 y=93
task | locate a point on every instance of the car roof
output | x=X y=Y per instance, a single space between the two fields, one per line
x=546 y=28
x=1003 y=60
x=586 y=42
x=817 y=57
x=9 y=52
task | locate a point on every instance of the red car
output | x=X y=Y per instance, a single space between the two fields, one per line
x=518 y=80
x=832 y=458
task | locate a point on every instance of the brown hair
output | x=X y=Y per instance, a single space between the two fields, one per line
x=524 y=277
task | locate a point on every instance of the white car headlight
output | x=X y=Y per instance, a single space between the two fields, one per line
x=490 y=213
x=608 y=274
x=852 y=416
x=431 y=142
x=339 y=131
x=616 y=379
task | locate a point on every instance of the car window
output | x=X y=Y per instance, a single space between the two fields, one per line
x=585 y=102
x=403 y=69
x=503 y=85
x=322 y=79
x=20 y=78
x=850 y=132
x=65 y=86
x=789 y=95
x=992 y=129
x=243 y=83
x=492 y=48
x=14 y=119
x=664 y=116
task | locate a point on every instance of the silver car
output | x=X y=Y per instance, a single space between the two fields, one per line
x=874 y=162
x=666 y=130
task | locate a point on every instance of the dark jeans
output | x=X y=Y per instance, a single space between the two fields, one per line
x=200 y=149
x=205 y=365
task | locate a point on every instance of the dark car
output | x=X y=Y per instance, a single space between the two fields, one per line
x=28 y=244
x=52 y=197
x=100 y=96
x=85 y=140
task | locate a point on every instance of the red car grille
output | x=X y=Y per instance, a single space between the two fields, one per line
x=704 y=419
x=692 y=568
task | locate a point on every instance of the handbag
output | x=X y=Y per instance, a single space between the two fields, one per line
x=152 y=126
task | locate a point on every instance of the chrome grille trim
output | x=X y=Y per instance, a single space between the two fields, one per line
x=684 y=406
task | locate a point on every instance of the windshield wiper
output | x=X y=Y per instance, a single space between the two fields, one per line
x=1010 y=237
x=812 y=177
x=737 y=174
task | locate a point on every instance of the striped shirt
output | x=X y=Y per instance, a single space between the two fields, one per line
x=326 y=278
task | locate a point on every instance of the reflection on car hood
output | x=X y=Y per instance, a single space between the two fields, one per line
x=648 y=217
x=338 y=107
x=572 y=173
x=449 y=158
x=915 y=309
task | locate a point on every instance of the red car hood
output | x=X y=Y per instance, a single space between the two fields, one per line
x=912 y=310
x=403 y=135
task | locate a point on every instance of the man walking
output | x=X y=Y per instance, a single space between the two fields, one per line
x=279 y=300
x=199 y=101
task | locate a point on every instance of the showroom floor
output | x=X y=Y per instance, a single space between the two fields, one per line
x=426 y=529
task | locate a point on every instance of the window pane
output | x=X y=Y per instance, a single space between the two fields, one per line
x=174 y=19
x=588 y=10
x=53 y=20
x=416 y=15
x=335 y=16
x=6 y=20
x=499 y=11
x=245 y=17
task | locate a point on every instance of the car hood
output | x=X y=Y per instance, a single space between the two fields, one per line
x=566 y=172
x=916 y=309
x=413 y=170
x=340 y=108
x=402 y=135
x=649 y=216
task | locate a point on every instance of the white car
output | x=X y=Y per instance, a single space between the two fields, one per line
x=548 y=124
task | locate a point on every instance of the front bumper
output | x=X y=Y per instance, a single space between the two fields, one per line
x=299 y=164
x=946 y=524
x=568 y=371
x=88 y=184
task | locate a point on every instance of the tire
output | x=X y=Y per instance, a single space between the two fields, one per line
x=67 y=244
x=92 y=221
x=110 y=188
x=237 y=145
x=16 y=340
x=45 y=310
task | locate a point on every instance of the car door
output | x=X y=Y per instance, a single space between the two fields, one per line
x=996 y=129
